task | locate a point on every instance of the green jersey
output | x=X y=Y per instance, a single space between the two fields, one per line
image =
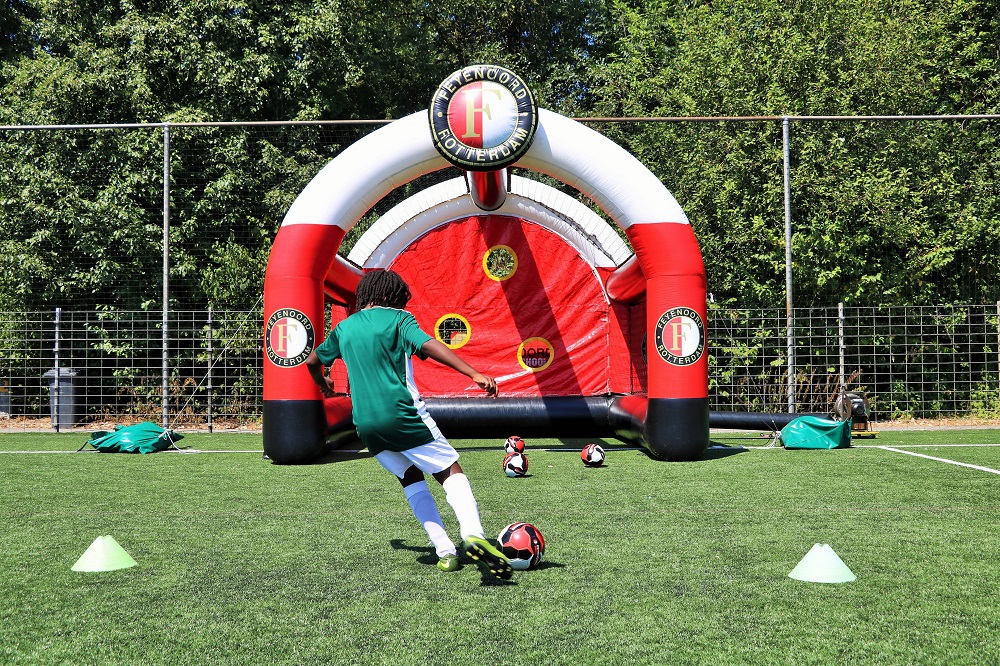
x=377 y=344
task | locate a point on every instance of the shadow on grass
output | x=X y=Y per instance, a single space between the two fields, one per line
x=717 y=451
x=576 y=444
x=548 y=564
x=571 y=445
x=332 y=456
x=457 y=443
x=428 y=555
x=340 y=455
x=489 y=580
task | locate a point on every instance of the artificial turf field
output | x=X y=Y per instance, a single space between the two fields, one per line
x=245 y=562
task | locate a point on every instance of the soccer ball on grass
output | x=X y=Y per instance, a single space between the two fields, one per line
x=515 y=464
x=592 y=455
x=522 y=544
x=514 y=444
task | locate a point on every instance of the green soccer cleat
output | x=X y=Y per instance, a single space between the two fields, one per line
x=449 y=563
x=489 y=558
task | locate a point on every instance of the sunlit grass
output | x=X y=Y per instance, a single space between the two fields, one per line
x=241 y=561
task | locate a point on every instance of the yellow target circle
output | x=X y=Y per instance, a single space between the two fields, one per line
x=453 y=330
x=500 y=262
x=535 y=354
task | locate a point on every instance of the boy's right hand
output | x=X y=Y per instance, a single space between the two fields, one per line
x=327 y=388
x=486 y=383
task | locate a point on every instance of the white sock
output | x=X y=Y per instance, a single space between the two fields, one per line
x=458 y=491
x=425 y=509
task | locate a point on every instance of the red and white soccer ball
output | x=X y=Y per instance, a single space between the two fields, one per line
x=514 y=444
x=522 y=544
x=592 y=455
x=515 y=464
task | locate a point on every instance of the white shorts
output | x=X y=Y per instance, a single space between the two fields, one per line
x=429 y=458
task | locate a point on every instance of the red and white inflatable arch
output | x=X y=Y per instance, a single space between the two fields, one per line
x=595 y=241
x=667 y=257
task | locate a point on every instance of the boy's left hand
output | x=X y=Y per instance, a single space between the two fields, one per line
x=486 y=383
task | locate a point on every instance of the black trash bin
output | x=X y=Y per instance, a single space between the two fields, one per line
x=4 y=399
x=65 y=393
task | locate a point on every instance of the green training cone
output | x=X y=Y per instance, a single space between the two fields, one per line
x=822 y=565
x=104 y=555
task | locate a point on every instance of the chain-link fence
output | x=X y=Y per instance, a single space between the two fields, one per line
x=141 y=249
x=111 y=369
x=909 y=361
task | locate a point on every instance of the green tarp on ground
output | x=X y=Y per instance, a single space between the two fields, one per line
x=813 y=432
x=145 y=437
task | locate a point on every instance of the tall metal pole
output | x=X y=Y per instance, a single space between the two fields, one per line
x=841 y=343
x=55 y=354
x=166 y=273
x=210 y=363
x=789 y=316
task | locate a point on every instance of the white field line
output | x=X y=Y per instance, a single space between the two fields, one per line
x=258 y=451
x=332 y=452
x=944 y=460
x=865 y=446
x=922 y=446
x=606 y=448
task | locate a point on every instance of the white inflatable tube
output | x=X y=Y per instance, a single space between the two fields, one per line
x=353 y=182
x=537 y=202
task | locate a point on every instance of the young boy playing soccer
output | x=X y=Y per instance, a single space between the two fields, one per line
x=376 y=343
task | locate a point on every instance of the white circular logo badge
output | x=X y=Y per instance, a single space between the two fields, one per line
x=289 y=337
x=483 y=118
x=680 y=336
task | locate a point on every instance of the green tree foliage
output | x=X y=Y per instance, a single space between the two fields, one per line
x=82 y=212
x=15 y=35
x=87 y=62
x=883 y=213
x=78 y=218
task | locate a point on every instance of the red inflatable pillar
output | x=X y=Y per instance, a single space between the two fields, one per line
x=676 y=426
x=295 y=422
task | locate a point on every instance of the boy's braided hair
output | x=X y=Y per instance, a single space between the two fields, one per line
x=382 y=287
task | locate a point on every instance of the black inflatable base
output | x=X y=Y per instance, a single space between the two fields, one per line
x=677 y=429
x=294 y=431
x=669 y=428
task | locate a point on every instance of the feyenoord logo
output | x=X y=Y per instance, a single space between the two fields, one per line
x=288 y=338
x=680 y=336
x=483 y=118
x=535 y=354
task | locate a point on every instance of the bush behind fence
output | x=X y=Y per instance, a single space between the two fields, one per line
x=117 y=225
x=910 y=361
x=882 y=212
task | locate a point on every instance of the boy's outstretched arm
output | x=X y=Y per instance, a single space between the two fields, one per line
x=438 y=351
x=324 y=383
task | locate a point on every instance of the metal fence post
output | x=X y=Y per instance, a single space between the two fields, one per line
x=842 y=345
x=166 y=272
x=209 y=369
x=55 y=354
x=789 y=315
